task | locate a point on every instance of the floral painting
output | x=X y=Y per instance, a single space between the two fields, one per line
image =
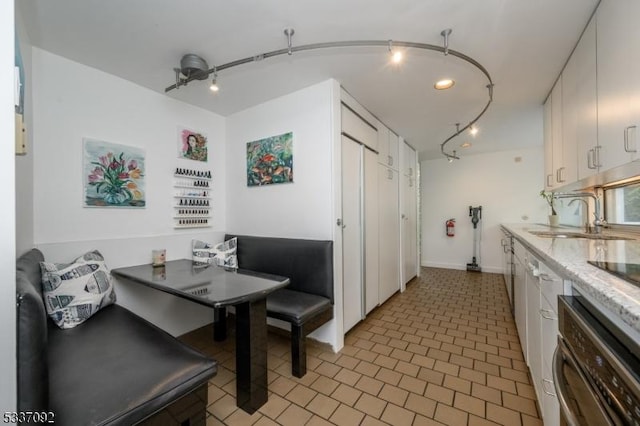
x=113 y=175
x=270 y=160
x=192 y=145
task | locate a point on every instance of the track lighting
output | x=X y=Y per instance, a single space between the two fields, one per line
x=473 y=130
x=396 y=55
x=214 y=83
x=193 y=67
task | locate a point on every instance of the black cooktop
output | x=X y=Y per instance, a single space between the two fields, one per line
x=626 y=271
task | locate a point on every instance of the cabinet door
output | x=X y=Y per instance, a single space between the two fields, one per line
x=394 y=148
x=409 y=229
x=556 y=133
x=569 y=172
x=587 y=102
x=615 y=67
x=359 y=129
x=371 y=224
x=389 y=232
x=352 y=259
x=534 y=332
x=549 y=325
x=520 y=301
x=383 y=144
x=549 y=180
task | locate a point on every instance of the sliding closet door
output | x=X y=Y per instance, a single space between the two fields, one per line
x=371 y=251
x=352 y=244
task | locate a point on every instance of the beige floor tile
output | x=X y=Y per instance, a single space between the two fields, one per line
x=444 y=352
x=503 y=416
x=420 y=404
x=451 y=416
x=397 y=416
x=346 y=394
x=470 y=404
x=371 y=405
x=346 y=416
x=274 y=406
x=393 y=394
x=322 y=406
x=294 y=415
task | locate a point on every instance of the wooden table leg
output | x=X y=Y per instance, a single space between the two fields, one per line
x=219 y=324
x=251 y=355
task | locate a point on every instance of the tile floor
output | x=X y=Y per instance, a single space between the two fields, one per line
x=444 y=352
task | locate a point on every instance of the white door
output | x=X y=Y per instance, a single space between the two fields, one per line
x=388 y=208
x=409 y=229
x=371 y=281
x=352 y=260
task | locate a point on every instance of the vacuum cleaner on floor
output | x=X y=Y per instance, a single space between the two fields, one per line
x=476 y=214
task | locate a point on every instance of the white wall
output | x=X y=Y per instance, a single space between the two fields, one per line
x=304 y=208
x=507 y=190
x=7 y=224
x=301 y=209
x=72 y=101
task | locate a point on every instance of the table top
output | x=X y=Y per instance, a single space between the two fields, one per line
x=205 y=284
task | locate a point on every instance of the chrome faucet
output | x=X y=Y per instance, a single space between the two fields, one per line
x=587 y=225
x=598 y=221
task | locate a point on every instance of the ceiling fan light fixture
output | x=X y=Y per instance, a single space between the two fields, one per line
x=444 y=84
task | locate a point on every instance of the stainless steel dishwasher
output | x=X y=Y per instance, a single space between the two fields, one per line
x=596 y=367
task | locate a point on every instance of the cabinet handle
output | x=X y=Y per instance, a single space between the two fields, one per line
x=389 y=160
x=546 y=277
x=560 y=175
x=549 y=178
x=596 y=161
x=590 y=159
x=547 y=314
x=626 y=139
x=544 y=388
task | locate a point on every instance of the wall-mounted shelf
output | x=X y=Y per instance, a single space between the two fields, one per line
x=192 y=205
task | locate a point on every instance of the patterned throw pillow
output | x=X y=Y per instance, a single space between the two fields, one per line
x=223 y=254
x=75 y=291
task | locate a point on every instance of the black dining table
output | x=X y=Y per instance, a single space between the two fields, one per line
x=219 y=288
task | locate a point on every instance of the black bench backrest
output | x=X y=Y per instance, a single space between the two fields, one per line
x=31 y=344
x=307 y=263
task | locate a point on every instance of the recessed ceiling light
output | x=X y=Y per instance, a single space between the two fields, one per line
x=446 y=83
x=465 y=145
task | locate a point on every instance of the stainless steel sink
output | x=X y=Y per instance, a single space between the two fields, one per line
x=569 y=234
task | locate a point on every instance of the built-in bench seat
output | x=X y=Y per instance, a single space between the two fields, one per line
x=114 y=369
x=307 y=302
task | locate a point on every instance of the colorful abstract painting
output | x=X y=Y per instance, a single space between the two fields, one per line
x=270 y=160
x=192 y=145
x=113 y=175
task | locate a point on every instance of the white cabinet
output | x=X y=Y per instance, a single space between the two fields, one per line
x=519 y=293
x=389 y=232
x=542 y=289
x=409 y=214
x=618 y=38
x=586 y=102
x=559 y=168
x=388 y=147
x=356 y=127
x=359 y=223
x=549 y=181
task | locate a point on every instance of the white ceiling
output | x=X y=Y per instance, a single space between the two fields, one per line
x=523 y=44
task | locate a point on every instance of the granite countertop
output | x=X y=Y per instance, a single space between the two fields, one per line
x=568 y=258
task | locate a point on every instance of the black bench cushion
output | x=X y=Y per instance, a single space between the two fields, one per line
x=294 y=306
x=118 y=369
x=307 y=263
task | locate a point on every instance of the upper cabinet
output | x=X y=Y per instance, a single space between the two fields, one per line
x=618 y=44
x=600 y=99
x=357 y=128
x=388 y=147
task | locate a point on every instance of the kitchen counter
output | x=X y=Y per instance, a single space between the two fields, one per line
x=568 y=258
